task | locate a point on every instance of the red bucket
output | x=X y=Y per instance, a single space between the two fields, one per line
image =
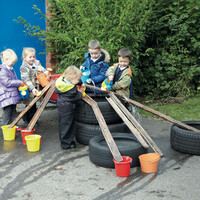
x=24 y=133
x=123 y=168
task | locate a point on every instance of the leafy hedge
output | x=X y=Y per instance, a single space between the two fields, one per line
x=163 y=36
x=171 y=65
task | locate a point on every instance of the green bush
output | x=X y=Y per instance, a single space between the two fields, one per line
x=171 y=65
x=164 y=37
x=115 y=24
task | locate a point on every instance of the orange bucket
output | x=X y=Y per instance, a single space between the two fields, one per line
x=123 y=168
x=42 y=78
x=149 y=162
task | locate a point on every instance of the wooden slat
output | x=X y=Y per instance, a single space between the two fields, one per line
x=128 y=123
x=41 y=108
x=30 y=105
x=136 y=124
x=135 y=103
x=104 y=128
x=165 y=117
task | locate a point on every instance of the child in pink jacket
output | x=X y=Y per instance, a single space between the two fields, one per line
x=9 y=94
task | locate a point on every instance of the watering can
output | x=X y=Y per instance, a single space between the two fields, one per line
x=23 y=91
x=85 y=75
x=41 y=78
x=106 y=85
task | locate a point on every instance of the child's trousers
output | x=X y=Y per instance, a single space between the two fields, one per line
x=9 y=114
x=67 y=130
x=29 y=114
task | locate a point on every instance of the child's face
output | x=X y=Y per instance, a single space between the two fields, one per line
x=30 y=58
x=95 y=53
x=123 y=61
x=10 y=64
x=76 y=80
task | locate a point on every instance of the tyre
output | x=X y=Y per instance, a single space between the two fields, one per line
x=186 y=141
x=100 y=154
x=84 y=132
x=85 y=114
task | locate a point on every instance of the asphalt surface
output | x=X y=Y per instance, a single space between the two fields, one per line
x=52 y=173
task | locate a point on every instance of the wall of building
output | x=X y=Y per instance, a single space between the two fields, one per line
x=11 y=33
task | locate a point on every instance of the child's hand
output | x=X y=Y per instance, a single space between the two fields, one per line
x=35 y=92
x=82 y=90
x=22 y=84
x=49 y=69
x=81 y=68
x=83 y=85
x=49 y=77
x=89 y=80
x=49 y=74
x=111 y=77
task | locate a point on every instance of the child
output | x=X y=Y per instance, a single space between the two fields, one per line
x=28 y=68
x=120 y=73
x=9 y=94
x=68 y=96
x=97 y=62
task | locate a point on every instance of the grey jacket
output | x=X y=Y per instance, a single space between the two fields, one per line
x=28 y=76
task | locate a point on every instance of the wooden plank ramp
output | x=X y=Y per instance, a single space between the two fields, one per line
x=139 y=105
x=104 y=128
x=128 y=123
x=30 y=105
x=41 y=107
x=136 y=124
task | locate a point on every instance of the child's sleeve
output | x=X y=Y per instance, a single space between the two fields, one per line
x=41 y=68
x=110 y=71
x=26 y=78
x=101 y=76
x=86 y=64
x=74 y=96
x=123 y=83
x=8 y=82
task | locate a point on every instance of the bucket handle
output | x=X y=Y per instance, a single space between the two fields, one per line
x=36 y=73
x=95 y=86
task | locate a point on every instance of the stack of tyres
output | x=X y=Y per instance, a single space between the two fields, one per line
x=87 y=125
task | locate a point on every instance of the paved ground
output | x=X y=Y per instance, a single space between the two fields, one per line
x=33 y=176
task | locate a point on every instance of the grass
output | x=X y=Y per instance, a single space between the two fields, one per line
x=189 y=110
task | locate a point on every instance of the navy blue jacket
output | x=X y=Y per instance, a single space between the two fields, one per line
x=97 y=69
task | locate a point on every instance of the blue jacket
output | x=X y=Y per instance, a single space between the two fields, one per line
x=98 y=68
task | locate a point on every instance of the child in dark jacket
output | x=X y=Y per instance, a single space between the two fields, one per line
x=97 y=62
x=68 y=96
x=9 y=94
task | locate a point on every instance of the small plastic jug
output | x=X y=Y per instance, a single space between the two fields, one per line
x=106 y=85
x=23 y=91
x=85 y=75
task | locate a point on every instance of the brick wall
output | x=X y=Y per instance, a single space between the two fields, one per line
x=50 y=60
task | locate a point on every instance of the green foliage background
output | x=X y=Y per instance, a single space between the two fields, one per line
x=162 y=35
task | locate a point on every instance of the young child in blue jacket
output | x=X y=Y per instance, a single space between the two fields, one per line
x=97 y=60
x=68 y=96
